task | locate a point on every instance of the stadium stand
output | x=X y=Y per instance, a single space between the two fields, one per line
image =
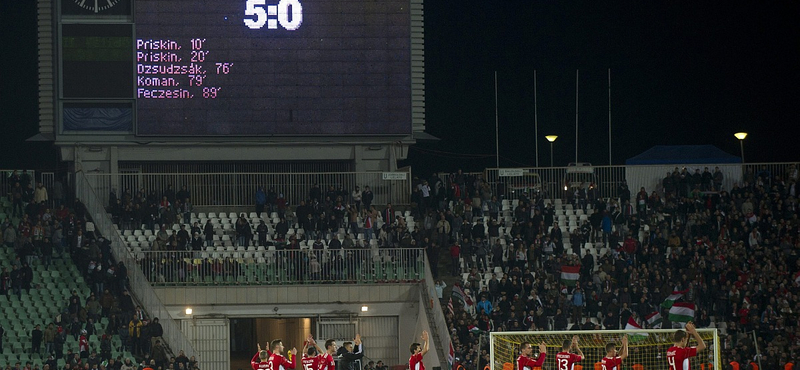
x=64 y=300
x=734 y=253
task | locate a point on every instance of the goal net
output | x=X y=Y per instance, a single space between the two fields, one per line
x=647 y=349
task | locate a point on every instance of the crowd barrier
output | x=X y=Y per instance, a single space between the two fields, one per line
x=559 y=182
x=239 y=189
x=281 y=267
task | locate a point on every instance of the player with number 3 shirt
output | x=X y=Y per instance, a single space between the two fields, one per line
x=678 y=355
x=565 y=360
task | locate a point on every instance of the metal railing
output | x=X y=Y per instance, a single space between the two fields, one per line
x=138 y=282
x=607 y=179
x=436 y=318
x=238 y=189
x=280 y=267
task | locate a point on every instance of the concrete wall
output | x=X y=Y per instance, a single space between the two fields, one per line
x=389 y=300
x=367 y=156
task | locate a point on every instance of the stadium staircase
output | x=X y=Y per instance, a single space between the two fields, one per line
x=51 y=288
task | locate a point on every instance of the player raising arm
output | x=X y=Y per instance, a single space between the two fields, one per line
x=525 y=361
x=613 y=360
x=351 y=352
x=565 y=360
x=310 y=356
x=277 y=361
x=417 y=351
x=678 y=355
x=260 y=360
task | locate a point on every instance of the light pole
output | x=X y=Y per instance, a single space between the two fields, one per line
x=551 y=139
x=741 y=136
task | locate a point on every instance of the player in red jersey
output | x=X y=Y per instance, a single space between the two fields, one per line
x=417 y=351
x=525 y=361
x=565 y=360
x=277 y=361
x=259 y=361
x=310 y=356
x=325 y=361
x=613 y=360
x=678 y=355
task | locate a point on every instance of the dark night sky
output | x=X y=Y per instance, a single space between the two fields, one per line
x=683 y=72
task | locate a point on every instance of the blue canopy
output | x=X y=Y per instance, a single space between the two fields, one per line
x=683 y=154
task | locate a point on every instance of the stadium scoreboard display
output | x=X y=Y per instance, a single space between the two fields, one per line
x=246 y=67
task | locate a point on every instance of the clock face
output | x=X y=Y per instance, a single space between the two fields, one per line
x=95 y=7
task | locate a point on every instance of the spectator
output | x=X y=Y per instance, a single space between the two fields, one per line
x=40 y=194
x=36 y=339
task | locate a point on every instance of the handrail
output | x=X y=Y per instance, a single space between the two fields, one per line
x=239 y=189
x=436 y=315
x=139 y=285
x=287 y=266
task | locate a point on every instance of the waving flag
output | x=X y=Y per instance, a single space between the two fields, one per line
x=681 y=312
x=632 y=325
x=653 y=320
x=676 y=295
x=570 y=275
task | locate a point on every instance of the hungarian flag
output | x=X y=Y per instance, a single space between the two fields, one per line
x=681 y=312
x=632 y=325
x=673 y=297
x=450 y=306
x=570 y=275
x=653 y=320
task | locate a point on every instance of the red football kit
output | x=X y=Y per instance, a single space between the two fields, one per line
x=257 y=364
x=527 y=363
x=415 y=362
x=611 y=363
x=678 y=358
x=566 y=360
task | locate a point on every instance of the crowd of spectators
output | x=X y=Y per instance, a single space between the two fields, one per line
x=38 y=234
x=736 y=251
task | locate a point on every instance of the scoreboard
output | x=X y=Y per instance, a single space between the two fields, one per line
x=246 y=67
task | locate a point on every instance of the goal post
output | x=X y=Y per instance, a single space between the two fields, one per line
x=647 y=349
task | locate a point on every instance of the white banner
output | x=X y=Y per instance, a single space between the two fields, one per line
x=511 y=172
x=395 y=175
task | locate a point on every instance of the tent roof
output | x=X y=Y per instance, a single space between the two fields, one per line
x=683 y=154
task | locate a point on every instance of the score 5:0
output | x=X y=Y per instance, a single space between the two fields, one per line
x=273 y=14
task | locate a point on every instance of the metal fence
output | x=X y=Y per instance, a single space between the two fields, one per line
x=139 y=284
x=556 y=182
x=238 y=189
x=281 y=267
